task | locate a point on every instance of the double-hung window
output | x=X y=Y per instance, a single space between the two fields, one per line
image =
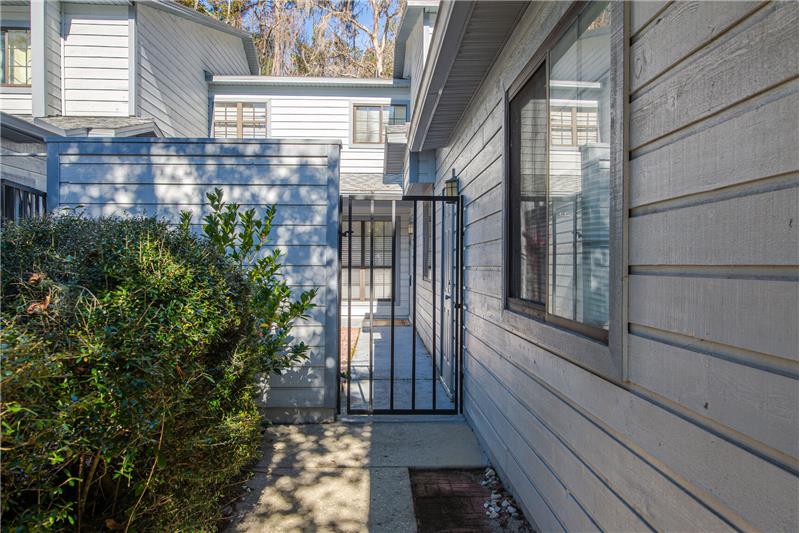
x=559 y=181
x=240 y=120
x=370 y=121
x=15 y=70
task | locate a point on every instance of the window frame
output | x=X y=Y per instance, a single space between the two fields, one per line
x=6 y=63
x=381 y=125
x=572 y=340
x=240 y=122
x=362 y=263
x=383 y=121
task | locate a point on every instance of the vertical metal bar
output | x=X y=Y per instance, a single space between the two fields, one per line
x=391 y=321
x=414 y=313
x=442 y=298
x=433 y=303
x=549 y=304
x=371 y=296
x=349 y=294
x=575 y=258
x=339 y=317
x=461 y=287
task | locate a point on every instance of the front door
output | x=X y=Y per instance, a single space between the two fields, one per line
x=449 y=298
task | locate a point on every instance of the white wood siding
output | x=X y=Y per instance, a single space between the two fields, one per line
x=320 y=113
x=96 y=60
x=13 y=100
x=173 y=55
x=164 y=177
x=703 y=435
x=19 y=12
x=52 y=57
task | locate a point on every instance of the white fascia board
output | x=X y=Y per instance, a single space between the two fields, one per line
x=301 y=81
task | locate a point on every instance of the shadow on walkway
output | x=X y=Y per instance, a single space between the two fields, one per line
x=345 y=477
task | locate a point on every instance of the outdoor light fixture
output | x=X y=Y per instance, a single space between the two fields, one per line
x=451 y=185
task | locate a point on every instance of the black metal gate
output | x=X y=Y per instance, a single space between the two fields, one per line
x=400 y=348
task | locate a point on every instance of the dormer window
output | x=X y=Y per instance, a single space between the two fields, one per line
x=15 y=70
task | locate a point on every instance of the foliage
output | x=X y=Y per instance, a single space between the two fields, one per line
x=129 y=358
x=351 y=38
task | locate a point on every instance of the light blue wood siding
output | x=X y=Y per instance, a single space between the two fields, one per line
x=164 y=177
x=701 y=434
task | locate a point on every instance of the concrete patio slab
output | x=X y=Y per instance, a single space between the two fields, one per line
x=351 y=476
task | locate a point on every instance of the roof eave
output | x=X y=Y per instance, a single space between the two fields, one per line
x=448 y=32
x=458 y=31
x=21 y=130
x=413 y=11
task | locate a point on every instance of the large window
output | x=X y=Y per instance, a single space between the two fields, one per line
x=369 y=245
x=370 y=121
x=559 y=189
x=16 y=59
x=240 y=120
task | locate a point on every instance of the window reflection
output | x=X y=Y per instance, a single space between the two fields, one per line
x=579 y=172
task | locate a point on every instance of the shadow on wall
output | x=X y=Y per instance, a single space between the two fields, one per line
x=163 y=177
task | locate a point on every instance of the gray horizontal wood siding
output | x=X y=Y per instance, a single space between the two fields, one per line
x=173 y=55
x=160 y=177
x=24 y=163
x=701 y=434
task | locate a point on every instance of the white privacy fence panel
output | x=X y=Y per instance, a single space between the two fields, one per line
x=162 y=177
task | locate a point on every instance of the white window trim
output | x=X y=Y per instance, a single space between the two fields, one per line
x=241 y=100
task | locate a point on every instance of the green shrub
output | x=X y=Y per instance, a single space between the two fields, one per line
x=130 y=352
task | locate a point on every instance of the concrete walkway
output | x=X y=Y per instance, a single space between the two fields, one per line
x=381 y=349
x=381 y=387
x=344 y=477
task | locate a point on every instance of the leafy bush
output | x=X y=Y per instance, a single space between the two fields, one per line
x=129 y=359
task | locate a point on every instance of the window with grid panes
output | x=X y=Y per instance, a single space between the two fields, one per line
x=240 y=120
x=15 y=69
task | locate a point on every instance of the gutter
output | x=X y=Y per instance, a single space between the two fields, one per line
x=300 y=81
x=21 y=127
